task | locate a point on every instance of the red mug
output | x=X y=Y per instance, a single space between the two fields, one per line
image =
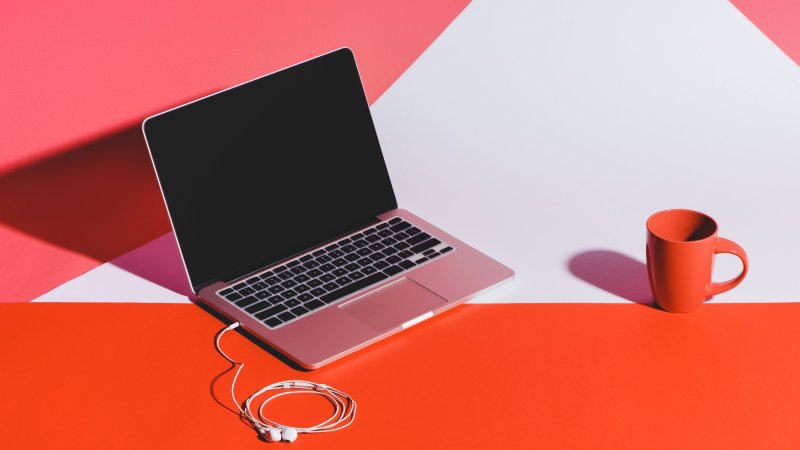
x=681 y=245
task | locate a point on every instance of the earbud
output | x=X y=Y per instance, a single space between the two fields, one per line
x=289 y=434
x=272 y=434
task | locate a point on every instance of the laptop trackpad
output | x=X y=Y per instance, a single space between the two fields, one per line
x=392 y=305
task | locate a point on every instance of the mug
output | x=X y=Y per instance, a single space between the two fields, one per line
x=681 y=245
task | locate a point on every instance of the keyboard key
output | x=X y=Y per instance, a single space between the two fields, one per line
x=339 y=262
x=260 y=286
x=392 y=270
x=433 y=242
x=314 y=304
x=233 y=297
x=311 y=265
x=305 y=258
x=246 y=301
x=418 y=238
x=400 y=226
x=327 y=267
x=274 y=300
x=434 y=255
x=402 y=245
x=388 y=241
x=356 y=236
x=240 y=286
x=286 y=316
x=339 y=272
x=301 y=278
x=262 y=294
x=394 y=259
x=273 y=280
x=341 y=281
x=376 y=246
x=348 y=248
x=256 y=307
x=356 y=275
x=352 y=266
x=377 y=256
x=253 y=280
x=327 y=277
x=406 y=254
x=279 y=269
x=318 y=253
x=293 y=263
x=363 y=262
x=285 y=275
x=298 y=269
x=368 y=270
x=395 y=220
x=360 y=243
x=353 y=287
x=247 y=291
x=336 y=254
x=351 y=257
x=266 y=275
x=381 y=226
x=373 y=238
x=428 y=252
x=225 y=292
x=314 y=283
x=421 y=260
x=344 y=241
x=305 y=297
x=400 y=236
x=289 y=283
x=275 y=289
x=370 y=231
x=412 y=231
x=364 y=251
x=291 y=303
x=446 y=249
x=331 y=247
x=314 y=273
x=271 y=311
x=380 y=265
x=288 y=294
x=301 y=288
x=384 y=233
x=318 y=291
x=331 y=286
x=406 y=264
x=389 y=251
x=299 y=311
x=273 y=322
x=323 y=259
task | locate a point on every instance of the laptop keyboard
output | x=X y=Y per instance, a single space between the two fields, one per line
x=316 y=279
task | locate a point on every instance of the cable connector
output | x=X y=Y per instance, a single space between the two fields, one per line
x=232 y=326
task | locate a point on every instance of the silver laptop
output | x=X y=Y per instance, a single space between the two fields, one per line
x=287 y=221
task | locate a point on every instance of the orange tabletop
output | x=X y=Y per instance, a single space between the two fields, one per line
x=493 y=376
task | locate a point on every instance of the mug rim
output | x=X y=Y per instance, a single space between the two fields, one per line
x=672 y=210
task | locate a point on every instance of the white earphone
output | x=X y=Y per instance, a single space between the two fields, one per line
x=344 y=406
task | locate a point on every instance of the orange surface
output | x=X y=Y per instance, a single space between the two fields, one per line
x=492 y=376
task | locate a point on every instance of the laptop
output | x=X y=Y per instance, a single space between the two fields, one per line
x=287 y=222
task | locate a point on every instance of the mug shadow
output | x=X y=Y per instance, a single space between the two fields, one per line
x=615 y=273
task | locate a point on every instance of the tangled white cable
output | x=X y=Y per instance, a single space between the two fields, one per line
x=344 y=406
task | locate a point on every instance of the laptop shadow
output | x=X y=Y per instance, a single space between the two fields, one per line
x=100 y=199
x=615 y=273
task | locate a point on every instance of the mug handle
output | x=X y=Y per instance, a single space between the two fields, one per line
x=728 y=246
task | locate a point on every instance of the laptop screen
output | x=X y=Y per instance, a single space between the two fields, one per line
x=267 y=169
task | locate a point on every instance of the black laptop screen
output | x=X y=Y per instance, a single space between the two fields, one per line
x=267 y=169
